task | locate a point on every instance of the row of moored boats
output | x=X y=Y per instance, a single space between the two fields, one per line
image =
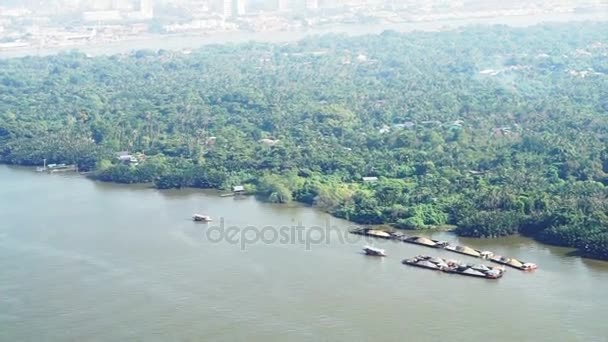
x=444 y=265
x=449 y=266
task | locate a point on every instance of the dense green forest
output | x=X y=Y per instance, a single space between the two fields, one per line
x=496 y=130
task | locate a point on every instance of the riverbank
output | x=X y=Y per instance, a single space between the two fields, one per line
x=392 y=228
x=300 y=122
x=84 y=260
x=314 y=192
x=193 y=41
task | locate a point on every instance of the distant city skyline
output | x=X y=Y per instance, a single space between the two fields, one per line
x=175 y=10
x=60 y=23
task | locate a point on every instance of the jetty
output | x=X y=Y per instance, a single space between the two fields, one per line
x=61 y=168
x=374 y=233
x=52 y=168
x=450 y=266
x=236 y=191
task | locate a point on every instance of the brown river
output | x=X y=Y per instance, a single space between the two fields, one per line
x=88 y=261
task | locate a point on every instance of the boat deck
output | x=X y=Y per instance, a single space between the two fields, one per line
x=438 y=264
x=426 y=242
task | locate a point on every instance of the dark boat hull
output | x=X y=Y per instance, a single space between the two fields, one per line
x=366 y=233
x=473 y=275
x=411 y=263
x=421 y=244
x=513 y=266
x=450 y=270
x=463 y=253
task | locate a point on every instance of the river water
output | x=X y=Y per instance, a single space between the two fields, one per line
x=82 y=260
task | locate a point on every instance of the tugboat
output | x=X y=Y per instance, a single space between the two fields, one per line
x=201 y=218
x=374 y=251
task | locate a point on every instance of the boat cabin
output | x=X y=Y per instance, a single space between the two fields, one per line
x=373 y=251
x=201 y=218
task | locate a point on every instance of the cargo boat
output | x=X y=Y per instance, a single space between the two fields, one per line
x=465 y=250
x=373 y=233
x=373 y=251
x=424 y=241
x=449 y=266
x=201 y=218
x=423 y=262
x=479 y=271
x=512 y=262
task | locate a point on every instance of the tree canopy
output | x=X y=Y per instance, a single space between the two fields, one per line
x=496 y=130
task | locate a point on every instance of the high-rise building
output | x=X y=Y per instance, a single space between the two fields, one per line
x=239 y=7
x=225 y=8
x=123 y=5
x=283 y=5
x=71 y=4
x=232 y=8
x=99 y=5
x=146 y=8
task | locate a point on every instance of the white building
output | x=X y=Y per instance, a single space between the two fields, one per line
x=226 y=8
x=232 y=8
x=99 y=5
x=101 y=16
x=122 y=5
x=312 y=4
x=146 y=8
x=71 y=4
x=239 y=7
x=283 y=5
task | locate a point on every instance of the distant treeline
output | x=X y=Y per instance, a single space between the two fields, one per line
x=496 y=130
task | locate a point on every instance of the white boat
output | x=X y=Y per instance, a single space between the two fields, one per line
x=373 y=251
x=201 y=218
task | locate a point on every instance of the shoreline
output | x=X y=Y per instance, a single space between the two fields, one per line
x=183 y=41
x=322 y=186
x=571 y=251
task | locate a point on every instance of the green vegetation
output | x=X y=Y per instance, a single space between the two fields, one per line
x=496 y=130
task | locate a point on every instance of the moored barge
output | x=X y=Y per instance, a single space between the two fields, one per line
x=423 y=262
x=479 y=271
x=419 y=240
x=423 y=241
x=514 y=263
x=450 y=266
x=465 y=250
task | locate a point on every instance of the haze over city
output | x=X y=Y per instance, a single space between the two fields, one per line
x=28 y=24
